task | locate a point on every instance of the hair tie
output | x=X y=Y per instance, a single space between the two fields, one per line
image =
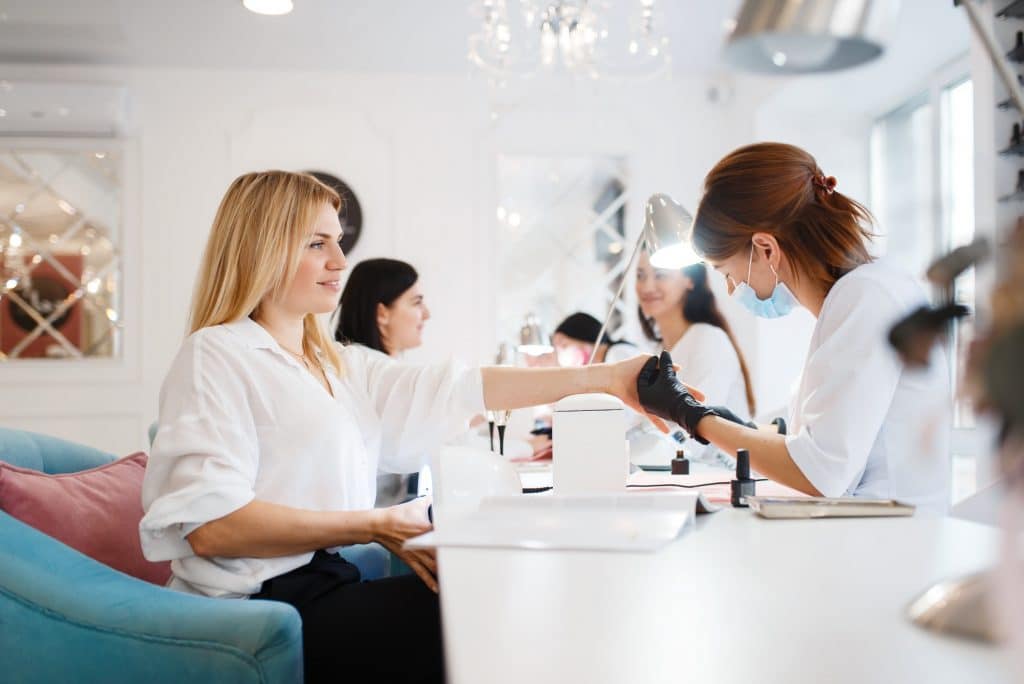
x=826 y=183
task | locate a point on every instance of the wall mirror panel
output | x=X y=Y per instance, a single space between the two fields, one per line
x=561 y=238
x=60 y=251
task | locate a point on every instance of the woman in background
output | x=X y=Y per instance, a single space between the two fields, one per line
x=382 y=309
x=574 y=338
x=679 y=312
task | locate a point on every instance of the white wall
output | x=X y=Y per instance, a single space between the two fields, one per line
x=419 y=152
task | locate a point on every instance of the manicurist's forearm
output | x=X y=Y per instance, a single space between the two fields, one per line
x=768 y=453
x=266 y=530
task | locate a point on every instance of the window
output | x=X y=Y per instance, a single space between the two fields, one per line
x=922 y=194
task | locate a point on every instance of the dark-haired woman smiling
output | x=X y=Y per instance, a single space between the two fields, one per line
x=679 y=312
x=382 y=308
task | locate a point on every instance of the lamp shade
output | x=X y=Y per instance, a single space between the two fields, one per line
x=807 y=36
x=533 y=341
x=666 y=234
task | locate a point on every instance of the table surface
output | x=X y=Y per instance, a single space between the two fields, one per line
x=736 y=598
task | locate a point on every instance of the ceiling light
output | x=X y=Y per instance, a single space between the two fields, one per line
x=522 y=39
x=806 y=36
x=269 y=7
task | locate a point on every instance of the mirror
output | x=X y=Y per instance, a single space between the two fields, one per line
x=60 y=261
x=561 y=238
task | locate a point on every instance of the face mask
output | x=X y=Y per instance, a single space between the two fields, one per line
x=780 y=303
x=571 y=357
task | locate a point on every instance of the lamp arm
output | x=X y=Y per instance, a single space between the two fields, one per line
x=618 y=294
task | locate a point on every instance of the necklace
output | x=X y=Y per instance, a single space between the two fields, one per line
x=297 y=355
x=306 y=363
x=300 y=357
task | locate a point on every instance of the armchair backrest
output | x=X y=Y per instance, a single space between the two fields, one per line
x=48 y=454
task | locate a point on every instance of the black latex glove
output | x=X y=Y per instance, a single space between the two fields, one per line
x=662 y=394
x=724 y=412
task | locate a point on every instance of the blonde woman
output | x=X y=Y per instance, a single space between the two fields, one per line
x=270 y=436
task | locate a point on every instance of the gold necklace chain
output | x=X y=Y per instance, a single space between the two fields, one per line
x=301 y=357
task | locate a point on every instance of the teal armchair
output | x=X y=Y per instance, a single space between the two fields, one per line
x=66 y=617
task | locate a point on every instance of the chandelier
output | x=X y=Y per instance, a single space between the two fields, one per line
x=610 y=39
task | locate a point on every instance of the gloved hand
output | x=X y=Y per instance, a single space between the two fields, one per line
x=662 y=394
x=725 y=412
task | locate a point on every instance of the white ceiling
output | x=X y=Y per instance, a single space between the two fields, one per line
x=407 y=36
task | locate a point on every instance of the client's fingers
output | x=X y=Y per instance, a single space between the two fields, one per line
x=424 y=574
x=658 y=422
x=697 y=394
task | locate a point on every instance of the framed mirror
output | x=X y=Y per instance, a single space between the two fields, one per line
x=60 y=251
x=561 y=238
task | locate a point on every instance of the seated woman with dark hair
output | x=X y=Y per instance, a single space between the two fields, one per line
x=382 y=308
x=574 y=342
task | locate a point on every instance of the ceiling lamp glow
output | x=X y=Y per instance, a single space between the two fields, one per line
x=271 y=7
x=807 y=36
x=620 y=40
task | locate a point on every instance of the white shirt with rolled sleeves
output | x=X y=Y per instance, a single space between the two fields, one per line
x=860 y=423
x=708 y=361
x=240 y=420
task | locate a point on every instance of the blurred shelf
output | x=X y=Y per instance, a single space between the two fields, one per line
x=1015 y=10
x=1017 y=149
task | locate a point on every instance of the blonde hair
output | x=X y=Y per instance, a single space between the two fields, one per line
x=254 y=249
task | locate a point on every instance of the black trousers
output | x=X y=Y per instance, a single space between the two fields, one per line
x=386 y=630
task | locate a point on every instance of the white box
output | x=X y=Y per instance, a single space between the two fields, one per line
x=589 y=444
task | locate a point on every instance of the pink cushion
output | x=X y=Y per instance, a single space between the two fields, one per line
x=96 y=511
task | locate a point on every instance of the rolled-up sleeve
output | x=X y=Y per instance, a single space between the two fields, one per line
x=204 y=459
x=419 y=407
x=848 y=385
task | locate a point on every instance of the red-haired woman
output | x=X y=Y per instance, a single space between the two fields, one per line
x=860 y=423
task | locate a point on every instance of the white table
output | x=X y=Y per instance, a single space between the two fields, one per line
x=735 y=599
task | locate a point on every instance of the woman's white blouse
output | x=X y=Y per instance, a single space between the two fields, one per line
x=240 y=420
x=708 y=361
x=860 y=423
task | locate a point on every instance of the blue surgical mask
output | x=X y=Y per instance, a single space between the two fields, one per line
x=780 y=303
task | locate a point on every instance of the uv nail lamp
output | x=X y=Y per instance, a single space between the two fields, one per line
x=589 y=445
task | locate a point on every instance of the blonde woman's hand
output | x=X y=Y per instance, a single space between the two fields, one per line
x=623 y=384
x=396 y=524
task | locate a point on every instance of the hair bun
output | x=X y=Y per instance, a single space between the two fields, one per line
x=826 y=183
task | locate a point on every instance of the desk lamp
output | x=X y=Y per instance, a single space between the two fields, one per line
x=666 y=237
x=533 y=339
